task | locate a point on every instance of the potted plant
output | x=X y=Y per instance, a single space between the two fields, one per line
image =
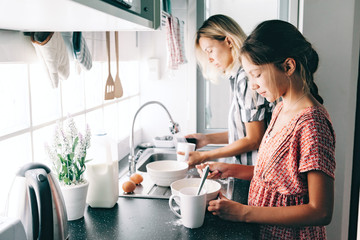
x=67 y=154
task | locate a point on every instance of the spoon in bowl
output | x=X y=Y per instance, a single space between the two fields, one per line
x=203 y=178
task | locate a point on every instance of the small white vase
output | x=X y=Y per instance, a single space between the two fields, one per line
x=75 y=200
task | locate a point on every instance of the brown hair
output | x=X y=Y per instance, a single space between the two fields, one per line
x=274 y=41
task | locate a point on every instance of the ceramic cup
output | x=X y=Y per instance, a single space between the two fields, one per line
x=186 y=148
x=192 y=206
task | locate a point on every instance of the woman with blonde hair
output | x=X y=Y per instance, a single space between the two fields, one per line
x=217 y=44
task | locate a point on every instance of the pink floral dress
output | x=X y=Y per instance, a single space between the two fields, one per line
x=306 y=143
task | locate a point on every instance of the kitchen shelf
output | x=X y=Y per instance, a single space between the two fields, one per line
x=77 y=15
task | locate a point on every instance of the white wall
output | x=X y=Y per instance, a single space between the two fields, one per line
x=15 y=47
x=333 y=28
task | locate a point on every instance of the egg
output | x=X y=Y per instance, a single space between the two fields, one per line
x=128 y=186
x=136 y=178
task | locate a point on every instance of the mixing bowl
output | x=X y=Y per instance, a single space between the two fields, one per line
x=163 y=173
x=212 y=187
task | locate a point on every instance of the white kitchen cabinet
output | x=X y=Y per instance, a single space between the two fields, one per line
x=78 y=15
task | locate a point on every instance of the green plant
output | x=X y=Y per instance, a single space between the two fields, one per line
x=68 y=152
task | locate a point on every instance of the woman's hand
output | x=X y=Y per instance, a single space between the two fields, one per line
x=227 y=209
x=196 y=157
x=201 y=139
x=218 y=170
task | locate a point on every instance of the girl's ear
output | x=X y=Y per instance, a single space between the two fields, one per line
x=228 y=40
x=289 y=66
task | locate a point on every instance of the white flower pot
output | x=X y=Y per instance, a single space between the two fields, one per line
x=75 y=200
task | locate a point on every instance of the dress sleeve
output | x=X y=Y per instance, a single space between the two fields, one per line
x=252 y=105
x=317 y=145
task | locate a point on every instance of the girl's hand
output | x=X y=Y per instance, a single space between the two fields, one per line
x=218 y=170
x=227 y=209
x=201 y=139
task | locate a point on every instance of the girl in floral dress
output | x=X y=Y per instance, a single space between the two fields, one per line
x=291 y=193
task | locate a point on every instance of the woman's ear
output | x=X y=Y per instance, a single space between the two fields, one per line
x=289 y=66
x=228 y=40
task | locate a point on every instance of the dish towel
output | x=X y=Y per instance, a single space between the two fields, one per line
x=51 y=50
x=67 y=36
x=182 y=42
x=81 y=51
x=175 y=42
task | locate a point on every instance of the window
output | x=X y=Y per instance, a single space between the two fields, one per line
x=30 y=107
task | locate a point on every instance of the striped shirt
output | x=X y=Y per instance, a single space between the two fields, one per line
x=246 y=106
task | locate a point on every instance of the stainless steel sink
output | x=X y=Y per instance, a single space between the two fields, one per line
x=147 y=189
x=156 y=157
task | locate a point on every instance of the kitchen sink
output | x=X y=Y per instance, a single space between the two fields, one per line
x=147 y=189
x=156 y=157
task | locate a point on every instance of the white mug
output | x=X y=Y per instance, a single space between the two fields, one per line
x=192 y=206
x=186 y=148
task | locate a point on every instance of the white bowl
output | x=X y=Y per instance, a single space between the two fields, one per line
x=212 y=187
x=163 y=143
x=163 y=173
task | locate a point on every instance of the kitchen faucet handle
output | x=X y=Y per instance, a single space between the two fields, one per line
x=174 y=127
x=138 y=154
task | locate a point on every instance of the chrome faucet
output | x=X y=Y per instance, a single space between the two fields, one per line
x=174 y=128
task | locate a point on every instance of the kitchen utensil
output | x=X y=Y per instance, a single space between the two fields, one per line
x=203 y=178
x=212 y=187
x=118 y=86
x=110 y=85
x=36 y=199
x=186 y=148
x=192 y=207
x=163 y=173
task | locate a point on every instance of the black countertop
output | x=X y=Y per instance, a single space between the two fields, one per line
x=136 y=218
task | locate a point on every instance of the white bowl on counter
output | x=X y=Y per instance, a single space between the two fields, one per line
x=165 y=172
x=212 y=187
x=164 y=142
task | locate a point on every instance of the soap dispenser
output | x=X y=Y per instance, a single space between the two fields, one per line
x=102 y=172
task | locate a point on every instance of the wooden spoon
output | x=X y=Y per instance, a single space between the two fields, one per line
x=110 y=85
x=118 y=86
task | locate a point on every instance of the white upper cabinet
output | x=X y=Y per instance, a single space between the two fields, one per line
x=79 y=15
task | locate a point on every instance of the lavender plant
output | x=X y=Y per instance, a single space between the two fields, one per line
x=68 y=152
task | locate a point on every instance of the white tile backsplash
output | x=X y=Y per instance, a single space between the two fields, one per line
x=15 y=47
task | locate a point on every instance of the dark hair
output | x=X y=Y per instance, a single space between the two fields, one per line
x=274 y=41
